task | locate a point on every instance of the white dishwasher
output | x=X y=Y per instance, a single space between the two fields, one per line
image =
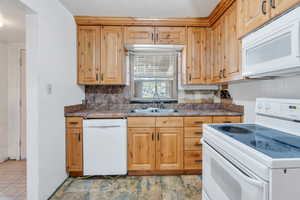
x=104 y=147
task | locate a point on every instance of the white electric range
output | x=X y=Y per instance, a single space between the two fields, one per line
x=258 y=161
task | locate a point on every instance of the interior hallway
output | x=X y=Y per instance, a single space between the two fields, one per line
x=13 y=180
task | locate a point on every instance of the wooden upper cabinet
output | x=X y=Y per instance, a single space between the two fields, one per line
x=112 y=55
x=279 y=6
x=169 y=147
x=218 y=50
x=139 y=35
x=253 y=13
x=74 y=147
x=170 y=35
x=141 y=149
x=196 y=55
x=232 y=67
x=88 y=54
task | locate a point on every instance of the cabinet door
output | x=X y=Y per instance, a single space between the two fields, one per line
x=88 y=54
x=169 y=149
x=196 y=55
x=139 y=35
x=170 y=35
x=112 y=53
x=254 y=13
x=218 y=50
x=141 y=148
x=232 y=68
x=74 y=149
x=279 y=6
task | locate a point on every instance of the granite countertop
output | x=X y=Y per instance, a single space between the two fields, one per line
x=100 y=113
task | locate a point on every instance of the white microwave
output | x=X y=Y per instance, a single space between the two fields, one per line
x=273 y=50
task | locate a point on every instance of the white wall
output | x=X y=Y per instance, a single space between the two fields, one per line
x=51 y=60
x=13 y=99
x=245 y=93
x=3 y=101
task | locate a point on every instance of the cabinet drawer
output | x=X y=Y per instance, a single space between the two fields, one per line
x=192 y=144
x=141 y=122
x=193 y=160
x=227 y=119
x=74 y=122
x=196 y=121
x=193 y=132
x=169 y=122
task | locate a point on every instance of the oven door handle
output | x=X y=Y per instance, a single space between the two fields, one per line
x=236 y=170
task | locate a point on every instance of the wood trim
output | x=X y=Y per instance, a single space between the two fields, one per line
x=75 y=173
x=163 y=172
x=219 y=10
x=134 y=21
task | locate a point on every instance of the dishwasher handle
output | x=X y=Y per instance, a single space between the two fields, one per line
x=115 y=126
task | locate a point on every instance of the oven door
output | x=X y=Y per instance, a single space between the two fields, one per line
x=226 y=180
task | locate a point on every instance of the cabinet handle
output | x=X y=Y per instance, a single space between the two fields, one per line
x=79 y=137
x=198 y=145
x=190 y=77
x=97 y=77
x=263 y=7
x=198 y=161
x=73 y=123
x=198 y=122
x=102 y=77
x=152 y=136
x=156 y=37
x=273 y=4
x=152 y=36
x=157 y=136
x=198 y=133
x=224 y=70
x=227 y=122
x=220 y=74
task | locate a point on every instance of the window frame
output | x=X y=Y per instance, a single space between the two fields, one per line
x=174 y=89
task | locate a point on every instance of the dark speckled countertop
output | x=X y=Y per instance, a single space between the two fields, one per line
x=100 y=113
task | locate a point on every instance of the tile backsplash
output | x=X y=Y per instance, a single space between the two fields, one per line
x=121 y=95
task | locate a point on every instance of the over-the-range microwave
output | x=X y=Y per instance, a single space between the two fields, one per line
x=273 y=50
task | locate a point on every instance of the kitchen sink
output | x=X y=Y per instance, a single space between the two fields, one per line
x=154 y=110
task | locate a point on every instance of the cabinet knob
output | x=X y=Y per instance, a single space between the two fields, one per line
x=264 y=7
x=273 y=4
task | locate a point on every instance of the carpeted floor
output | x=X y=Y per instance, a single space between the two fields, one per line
x=131 y=188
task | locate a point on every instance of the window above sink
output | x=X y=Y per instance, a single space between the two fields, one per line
x=153 y=76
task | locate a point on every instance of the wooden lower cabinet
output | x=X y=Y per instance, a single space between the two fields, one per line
x=141 y=148
x=193 y=160
x=74 y=150
x=169 y=145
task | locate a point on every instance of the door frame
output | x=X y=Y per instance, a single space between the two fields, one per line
x=22 y=104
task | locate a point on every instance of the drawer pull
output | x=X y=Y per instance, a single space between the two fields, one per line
x=227 y=122
x=198 y=133
x=198 y=145
x=198 y=161
x=73 y=123
x=198 y=122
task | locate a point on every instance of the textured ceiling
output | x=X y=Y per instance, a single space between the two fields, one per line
x=141 y=8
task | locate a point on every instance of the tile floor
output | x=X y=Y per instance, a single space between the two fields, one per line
x=13 y=180
x=131 y=188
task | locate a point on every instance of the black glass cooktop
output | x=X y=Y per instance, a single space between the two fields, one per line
x=271 y=142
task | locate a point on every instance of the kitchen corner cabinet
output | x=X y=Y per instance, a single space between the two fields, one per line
x=74 y=146
x=155 y=35
x=254 y=13
x=226 y=65
x=100 y=55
